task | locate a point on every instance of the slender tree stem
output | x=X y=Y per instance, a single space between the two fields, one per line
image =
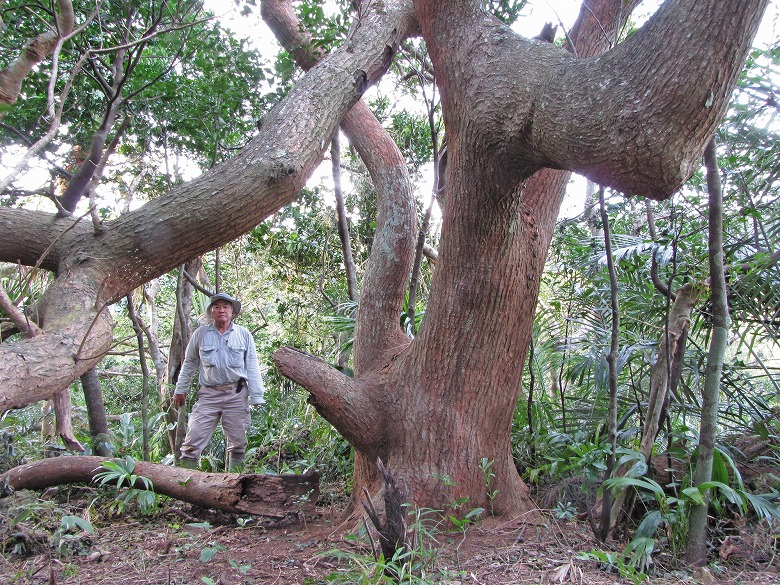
x=139 y=333
x=530 y=402
x=612 y=363
x=341 y=217
x=96 y=414
x=696 y=554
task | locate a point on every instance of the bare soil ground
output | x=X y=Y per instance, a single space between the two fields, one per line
x=184 y=545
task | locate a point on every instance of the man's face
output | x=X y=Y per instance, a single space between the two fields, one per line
x=222 y=312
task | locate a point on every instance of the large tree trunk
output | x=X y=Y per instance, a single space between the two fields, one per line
x=465 y=365
x=372 y=355
x=636 y=118
x=434 y=410
x=264 y=495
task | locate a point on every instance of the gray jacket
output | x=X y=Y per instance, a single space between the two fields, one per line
x=222 y=359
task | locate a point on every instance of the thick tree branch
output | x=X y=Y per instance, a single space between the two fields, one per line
x=62 y=404
x=377 y=329
x=598 y=26
x=345 y=402
x=228 y=201
x=34 y=52
x=76 y=335
x=37 y=237
x=280 y=17
x=23 y=324
x=643 y=73
x=665 y=117
x=237 y=194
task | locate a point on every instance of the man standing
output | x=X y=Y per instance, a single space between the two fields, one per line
x=225 y=358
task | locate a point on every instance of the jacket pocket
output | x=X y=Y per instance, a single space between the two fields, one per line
x=236 y=356
x=208 y=355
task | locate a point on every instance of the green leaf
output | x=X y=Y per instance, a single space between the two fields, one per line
x=69 y=522
x=730 y=493
x=617 y=483
x=765 y=509
x=693 y=494
x=210 y=552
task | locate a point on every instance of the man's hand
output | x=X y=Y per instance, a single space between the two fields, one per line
x=179 y=400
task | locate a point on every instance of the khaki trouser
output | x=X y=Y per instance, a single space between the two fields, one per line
x=211 y=406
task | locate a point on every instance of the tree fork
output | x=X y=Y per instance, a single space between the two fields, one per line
x=378 y=335
x=343 y=401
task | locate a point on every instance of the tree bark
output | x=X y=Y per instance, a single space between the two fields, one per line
x=264 y=495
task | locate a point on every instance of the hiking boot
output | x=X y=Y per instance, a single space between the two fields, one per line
x=235 y=465
x=187 y=463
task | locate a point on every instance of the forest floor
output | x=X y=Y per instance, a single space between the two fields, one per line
x=187 y=545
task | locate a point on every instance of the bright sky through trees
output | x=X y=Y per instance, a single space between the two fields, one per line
x=537 y=12
x=561 y=13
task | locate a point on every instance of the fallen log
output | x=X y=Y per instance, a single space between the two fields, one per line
x=247 y=493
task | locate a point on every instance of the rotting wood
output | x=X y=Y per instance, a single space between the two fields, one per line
x=274 y=496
